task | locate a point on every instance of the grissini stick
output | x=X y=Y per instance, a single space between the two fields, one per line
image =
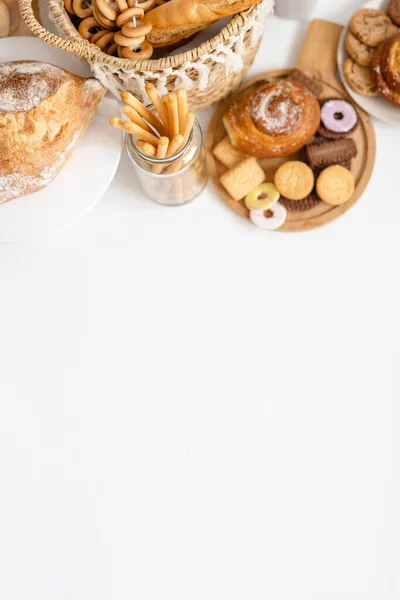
x=173 y=115
x=136 y=118
x=134 y=130
x=142 y=110
x=174 y=145
x=158 y=104
x=189 y=122
x=146 y=148
x=182 y=109
x=161 y=153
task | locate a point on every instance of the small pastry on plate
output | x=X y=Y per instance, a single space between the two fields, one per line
x=338 y=119
x=358 y=51
x=274 y=120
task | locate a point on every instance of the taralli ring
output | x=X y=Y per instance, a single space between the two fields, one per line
x=128 y=42
x=106 y=10
x=87 y=26
x=128 y=15
x=271 y=219
x=143 y=52
x=141 y=29
x=101 y=19
x=69 y=7
x=82 y=8
x=104 y=40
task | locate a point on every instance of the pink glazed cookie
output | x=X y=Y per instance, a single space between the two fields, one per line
x=338 y=119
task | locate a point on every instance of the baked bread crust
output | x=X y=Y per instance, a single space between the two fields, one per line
x=377 y=75
x=180 y=19
x=390 y=62
x=44 y=110
x=276 y=119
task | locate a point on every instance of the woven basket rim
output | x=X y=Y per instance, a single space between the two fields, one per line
x=63 y=21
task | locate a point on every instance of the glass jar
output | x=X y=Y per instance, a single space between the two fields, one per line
x=175 y=180
x=10 y=17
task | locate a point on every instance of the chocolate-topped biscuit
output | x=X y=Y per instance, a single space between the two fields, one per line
x=394 y=11
x=300 y=205
x=330 y=152
x=314 y=86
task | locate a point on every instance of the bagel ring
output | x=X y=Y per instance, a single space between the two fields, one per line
x=96 y=36
x=106 y=10
x=80 y=11
x=127 y=42
x=122 y=5
x=104 y=40
x=144 y=52
x=85 y=27
x=141 y=29
x=101 y=19
x=112 y=50
x=69 y=7
x=128 y=14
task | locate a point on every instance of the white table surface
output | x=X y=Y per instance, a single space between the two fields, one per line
x=191 y=408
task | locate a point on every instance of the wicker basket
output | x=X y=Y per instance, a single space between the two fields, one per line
x=209 y=72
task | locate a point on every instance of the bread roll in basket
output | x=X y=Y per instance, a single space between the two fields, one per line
x=209 y=72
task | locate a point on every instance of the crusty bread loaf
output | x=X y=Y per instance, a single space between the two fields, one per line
x=179 y=19
x=43 y=112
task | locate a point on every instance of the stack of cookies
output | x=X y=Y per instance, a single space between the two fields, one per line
x=372 y=67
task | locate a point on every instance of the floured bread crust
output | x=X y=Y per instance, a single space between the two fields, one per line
x=43 y=112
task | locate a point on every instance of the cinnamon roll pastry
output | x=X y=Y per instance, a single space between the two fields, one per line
x=276 y=119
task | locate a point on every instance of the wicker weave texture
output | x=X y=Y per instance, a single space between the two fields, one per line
x=209 y=72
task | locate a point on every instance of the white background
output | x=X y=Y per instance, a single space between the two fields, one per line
x=194 y=409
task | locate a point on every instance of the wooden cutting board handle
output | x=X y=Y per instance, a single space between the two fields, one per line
x=318 y=54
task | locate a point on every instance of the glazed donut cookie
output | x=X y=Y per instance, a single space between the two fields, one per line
x=338 y=118
x=294 y=180
x=372 y=26
x=273 y=218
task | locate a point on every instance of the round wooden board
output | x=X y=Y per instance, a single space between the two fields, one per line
x=362 y=164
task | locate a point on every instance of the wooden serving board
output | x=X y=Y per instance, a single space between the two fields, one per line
x=317 y=60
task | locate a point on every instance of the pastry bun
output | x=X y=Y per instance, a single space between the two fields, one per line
x=276 y=119
x=180 y=19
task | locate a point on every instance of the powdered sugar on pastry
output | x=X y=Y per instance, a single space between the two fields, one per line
x=44 y=80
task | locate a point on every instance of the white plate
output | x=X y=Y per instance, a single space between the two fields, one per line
x=84 y=178
x=377 y=107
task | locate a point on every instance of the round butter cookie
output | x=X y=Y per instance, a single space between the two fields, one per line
x=294 y=180
x=335 y=185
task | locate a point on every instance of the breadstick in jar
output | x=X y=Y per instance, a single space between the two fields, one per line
x=182 y=109
x=174 y=145
x=173 y=115
x=142 y=110
x=134 y=129
x=136 y=118
x=158 y=104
